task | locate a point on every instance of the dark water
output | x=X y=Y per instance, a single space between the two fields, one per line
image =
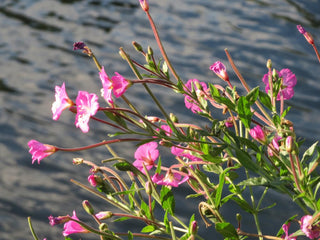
x=36 y=40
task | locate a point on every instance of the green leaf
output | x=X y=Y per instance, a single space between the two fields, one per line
x=227 y=230
x=309 y=152
x=246 y=161
x=130 y=235
x=265 y=100
x=147 y=229
x=121 y=219
x=244 y=111
x=243 y=204
x=166 y=222
x=167 y=199
x=252 y=96
x=218 y=195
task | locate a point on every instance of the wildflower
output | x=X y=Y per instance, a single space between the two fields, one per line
x=289 y=142
x=258 y=134
x=220 y=69
x=285 y=228
x=170 y=179
x=58 y=220
x=71 y=227
x=61 y=103
x=190 y=102
x=82 y=46
x=288 y=81
x=117 y=84
x=144 y=5
x=179 y=152
x=39 y=150
x=146 y=155
x=92 y=180
x=87 y=106
x=104 y=215
x=166 y=129
x=307 y=227
x=307 y=35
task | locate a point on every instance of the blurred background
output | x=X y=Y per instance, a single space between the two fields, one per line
x=36 y=38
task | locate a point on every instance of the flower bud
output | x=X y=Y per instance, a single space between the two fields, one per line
x=103 y=227
x=144 y=5
x=148 y=188
x=289 y=142
x=194 y=228
x=307 y=35
x=88 y=207
x=58 y=220
x=150 y=51
x=137 y=46
x=173 y=118
x=269 y=64
x=92 y=180
x=77 y=161
x=104 y=215
x=258 y=134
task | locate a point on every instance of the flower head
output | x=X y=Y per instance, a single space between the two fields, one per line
x=92 y=180
x=58 y=220
x=79 y=46
x=190 y=102
x=180 y=152
x=170 y=179
x=308 y=228
x=220 y=69
x=289 y=80
x=258 y=134
x=146 y=154
x=61 y=103
x=39 y=150
x=117 y=84
x=87 y=106
x=71 y=227
x=285 y=228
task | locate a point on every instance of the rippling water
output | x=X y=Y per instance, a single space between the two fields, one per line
x=36 y=38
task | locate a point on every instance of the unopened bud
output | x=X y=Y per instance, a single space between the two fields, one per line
x=104 y=215
x=88 y=207
x=148 y=188
x=92 y=180
x=194 y=228
x=174 y=118
x=150 y=51
x=77 y=161
x=103 y=227
x=144 y=5
x=289 y=142
x=269 y=64
x=137 y=46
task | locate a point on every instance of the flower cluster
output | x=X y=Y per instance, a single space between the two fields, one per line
x=254 y=135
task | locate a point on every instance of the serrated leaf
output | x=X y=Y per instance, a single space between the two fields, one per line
x=167 y=199
x=244 y=111
x=252 y=96
x=265 y=100
x=227 y=230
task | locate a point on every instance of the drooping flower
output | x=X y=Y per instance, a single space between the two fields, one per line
x=71 y=227
x=308 y=228
x=220 y=69
x=285 y=228
x=92 y=180
x=117 y=84
x=274 y=145
x=146 y=154
x=39 y=150
x=258 y=134
x=87 y=106
x=190 y=102
x=184 y=153
x=62 y=101
x=288 y=81
x=170 y=179
x=79 y=46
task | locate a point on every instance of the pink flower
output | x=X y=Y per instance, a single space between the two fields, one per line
x=285 y=228
x=166 y=129
x=146 y=154
x=92 y=180
x=220 y=69
x=170 y=179
x=289 y=80
x=79 y=46
x=71 y=227
x=87 y=106
x=190 y=102
x=58 y=220
x=61 y=103
x=39 y=150
x=310 y=230
x=117 y=84
x=179 y=152
x=258 y=134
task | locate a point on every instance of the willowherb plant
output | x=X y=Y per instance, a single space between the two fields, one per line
x=254 y=138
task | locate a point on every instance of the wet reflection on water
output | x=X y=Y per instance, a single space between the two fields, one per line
x=36 y=38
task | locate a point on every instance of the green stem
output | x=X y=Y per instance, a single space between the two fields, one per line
x=32 y=230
